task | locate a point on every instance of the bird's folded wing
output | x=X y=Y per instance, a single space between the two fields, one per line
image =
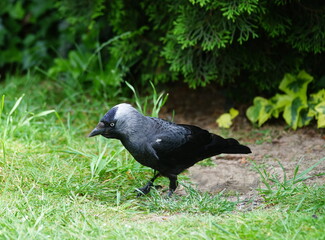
x=185 y=143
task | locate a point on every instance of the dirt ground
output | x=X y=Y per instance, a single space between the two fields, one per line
x=235 y=172
x=270 y=145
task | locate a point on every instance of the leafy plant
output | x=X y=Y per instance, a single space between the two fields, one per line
x=83 y=66
x=297 y=110
x=29 y=33
x=225 y=120
x=317 y=107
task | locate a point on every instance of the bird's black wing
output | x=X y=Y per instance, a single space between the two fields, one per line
x=181 y=146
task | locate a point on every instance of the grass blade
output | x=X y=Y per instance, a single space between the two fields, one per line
x=44 y=113
x=2 y=104
x=221 y=228
x=16 y=105
x=303 y=175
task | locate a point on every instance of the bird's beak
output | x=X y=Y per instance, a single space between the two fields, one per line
x=95 y=132
x=98 y=130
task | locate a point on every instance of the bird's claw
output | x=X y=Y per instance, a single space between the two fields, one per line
x=170 y=193
x=146 y=189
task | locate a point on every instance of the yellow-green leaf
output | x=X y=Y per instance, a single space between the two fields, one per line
x=318 y=97
x=291 y=113
x=261 y=111
x=280 y=101
x=321 y=121
x=296 y=85
x=320 y=114
x=224 y=121
x=233 y=113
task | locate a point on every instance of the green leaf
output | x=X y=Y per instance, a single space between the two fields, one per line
x=316 y=107
x=280 y=101
x=17 y=12
x=305 y=117
x=318 y=97
x=296 y=85
x=201 y=2
x=321 y=121
x=291 y=113
x=320 y=115
x=261 y=111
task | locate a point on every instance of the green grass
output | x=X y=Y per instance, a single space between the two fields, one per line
x=56 y=183
x=290 y=191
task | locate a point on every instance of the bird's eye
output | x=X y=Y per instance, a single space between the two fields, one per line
x=112 y=124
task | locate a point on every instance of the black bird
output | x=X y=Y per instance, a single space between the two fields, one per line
x=166 y=147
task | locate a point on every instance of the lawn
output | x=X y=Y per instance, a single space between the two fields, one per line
x=56 y=183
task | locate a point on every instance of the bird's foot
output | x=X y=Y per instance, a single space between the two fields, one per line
x=170 y=193
x=146 y=189
x=143 y=191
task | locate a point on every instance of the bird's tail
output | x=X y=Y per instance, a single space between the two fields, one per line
x=220 y=145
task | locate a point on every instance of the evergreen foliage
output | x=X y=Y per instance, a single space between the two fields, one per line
x=248 y=44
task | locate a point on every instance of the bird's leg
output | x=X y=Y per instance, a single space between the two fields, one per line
x=146 y=189
x=172 y=185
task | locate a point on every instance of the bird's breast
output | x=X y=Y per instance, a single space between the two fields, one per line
x=141 y=154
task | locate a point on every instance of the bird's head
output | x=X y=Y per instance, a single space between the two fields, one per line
x=117 y=122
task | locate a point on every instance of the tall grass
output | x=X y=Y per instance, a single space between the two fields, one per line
x=157 y=101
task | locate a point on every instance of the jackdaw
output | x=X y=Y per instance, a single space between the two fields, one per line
x=166 y=147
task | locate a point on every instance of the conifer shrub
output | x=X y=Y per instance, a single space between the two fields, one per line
x=238 y=44
x=246 y=44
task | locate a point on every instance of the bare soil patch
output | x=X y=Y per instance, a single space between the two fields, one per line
x=235 y=172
